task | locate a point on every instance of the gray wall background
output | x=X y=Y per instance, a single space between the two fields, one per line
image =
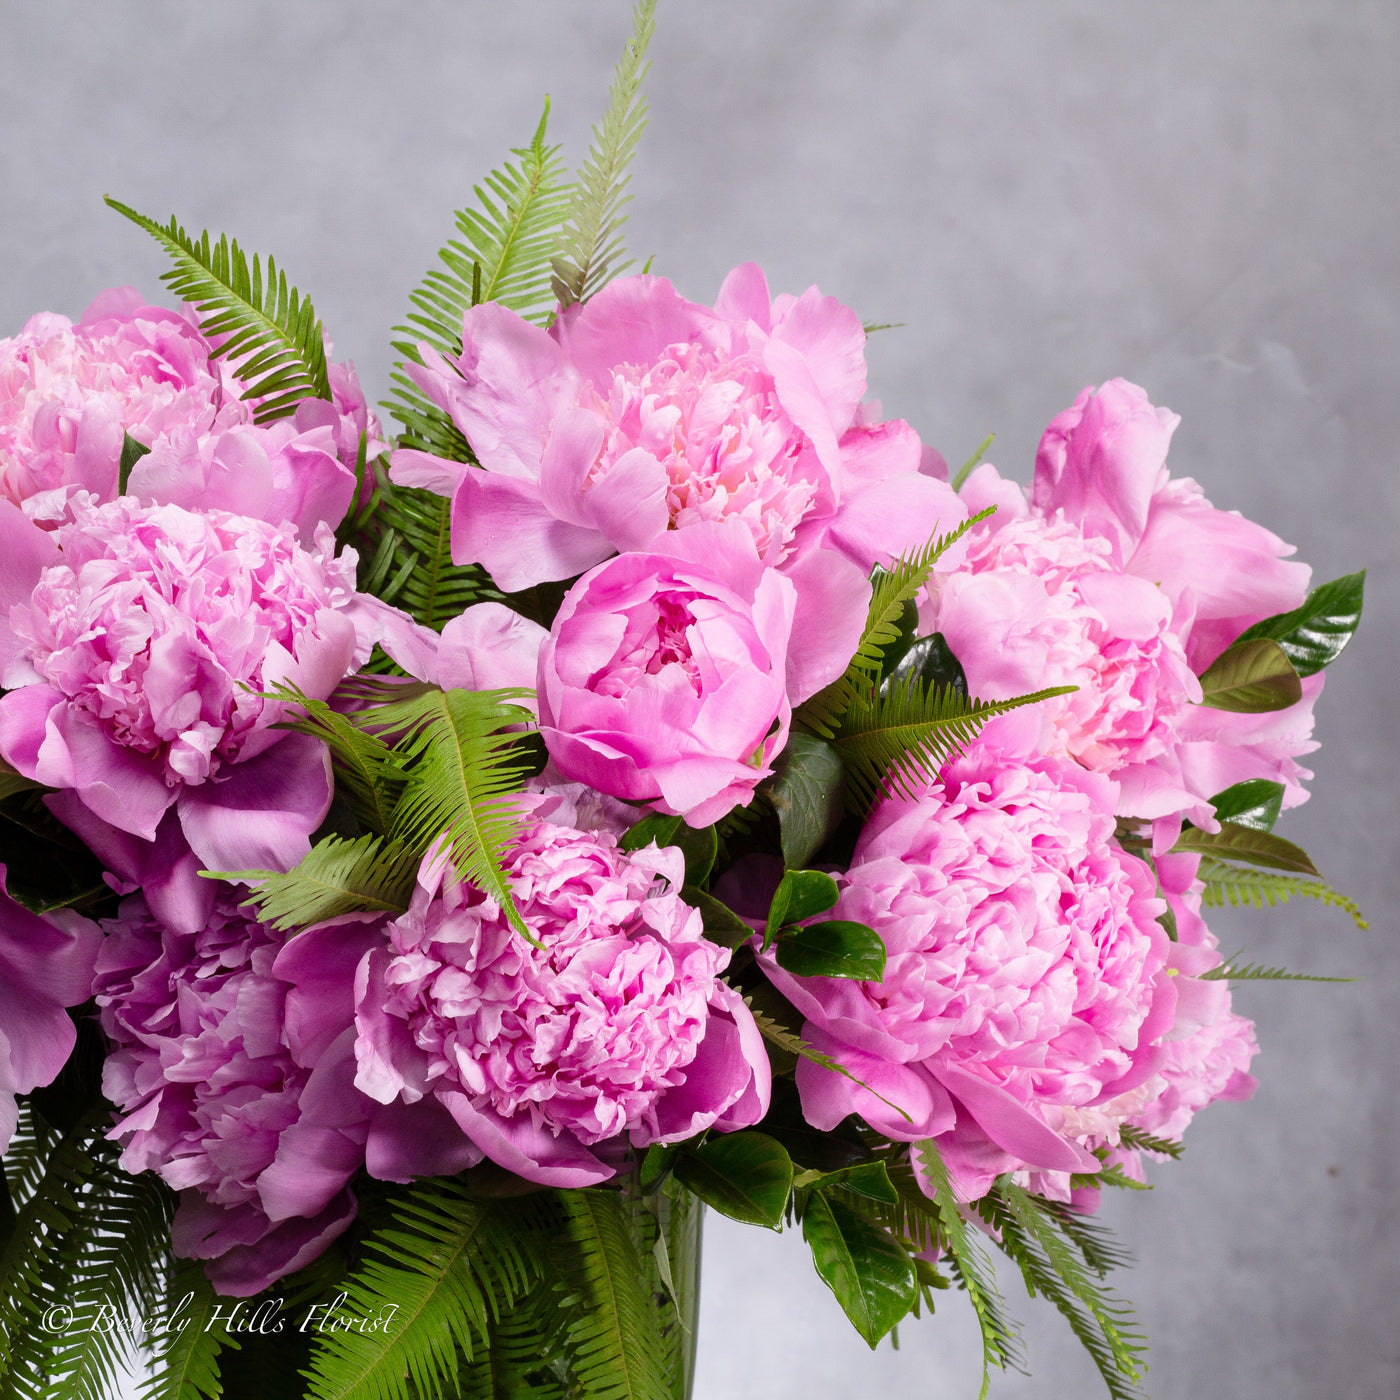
x=1202 y=197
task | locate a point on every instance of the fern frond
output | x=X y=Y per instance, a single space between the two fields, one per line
x=525 y=1355
x=1052 y=1267
x=1232 y=971
x=265 y=328
x=335 y=877
x=1141 y=1140
x=1100 y=1248
x=368 y=773
x=1254 y=888
x=971 y=1267
x=591 y=240
x=433 y=1280
x=892 y=590
x=462 y=777
x=27 y=1157
x=189 y=1342
x=897 y=740
x=614 y=1340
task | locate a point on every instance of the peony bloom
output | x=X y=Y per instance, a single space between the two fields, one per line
x=664 y=678
x=551 y=1060
x=139 y=653
x=69 y=394
x=1026 y=978
x=45 y=966
x=210 y=1096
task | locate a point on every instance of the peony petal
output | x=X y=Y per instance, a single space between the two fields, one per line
x=528 y=1149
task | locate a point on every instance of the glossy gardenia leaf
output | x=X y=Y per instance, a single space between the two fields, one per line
x=1247 y=844
x=722 y=924
x=807 y=794
x=801 y=894
x=653 y=829
x=132 y=452
x=746 y=1176
x=1315 y=634
x=1251 y=677
x=929 y=660
x=868 y=1179
x=832 y=948
x=871 y=1274
x=1255 y=802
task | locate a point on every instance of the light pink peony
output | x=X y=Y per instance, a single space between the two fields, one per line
x=211 y=1098
x=138 y=656
x=1026 y=974
x=69 y=393
x=664 y=678
x=45 y=966
x=551 y=1061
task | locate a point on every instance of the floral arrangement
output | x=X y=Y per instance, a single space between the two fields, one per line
x=436 y=864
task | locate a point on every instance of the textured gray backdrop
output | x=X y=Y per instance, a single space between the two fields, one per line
x=1202 y=197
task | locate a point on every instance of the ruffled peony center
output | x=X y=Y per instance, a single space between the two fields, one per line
x=583 y=1034
x=657 y=636
x=716 y=426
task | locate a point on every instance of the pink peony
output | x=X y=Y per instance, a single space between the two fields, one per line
x=138 y=656
x=211 y=1098
x=45 y=966
x=551 y=1060
x=664 y=678
x=1026 y=977
x=70 y=393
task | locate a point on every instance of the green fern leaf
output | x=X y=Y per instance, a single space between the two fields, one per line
x=591 y=241
x=1260 y=889
x=525 y=1357
x=429 y=1288
x=462 y=774
x=1051 y=1266
x=1232 y=971
x=971 y=1267
x=614 y=1339
x=1141 y=1140
x=891 y=592
x=190 y=1341
x=335 y=877
x=897 y=740
x=264 y=327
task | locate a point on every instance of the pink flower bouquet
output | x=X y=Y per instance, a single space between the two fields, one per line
x=436 y=865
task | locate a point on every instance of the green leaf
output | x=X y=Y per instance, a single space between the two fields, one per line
x=929 y=660
x=832 y=948
x=1141 y=1140
x=12 y=782
x=807 y=793
x=700 y=846
x=722 y=924
x=868 y=1179
x=462 y=776
x=614 y=1343
x=335 y=877
x=871 y=1275
x=1256 y=802
x=970 y=1266
x=656 y=1166
x=897 y=741
x=968 y=466
x=1260 y=889
x=1316 y=633
x=801 y=894
x=892 y=590
x=428 y=1287
x=132 y=452
x=1233 y=971
x=654 y=829
x=746 y=1176
x=266 y=329
x=189 y=1343
x=590 y=244
x=1251 y=677
x=1247 y=844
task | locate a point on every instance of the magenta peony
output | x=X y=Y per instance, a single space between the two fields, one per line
x=139 y=656
x=550 y=1060
x=1027 y=974
x=664 y=677
x=45 y=966
x=211 y=1098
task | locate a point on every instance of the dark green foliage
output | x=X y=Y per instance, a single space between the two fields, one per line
x=1316 y=633
x=190 y=1341
x=929 y=659
x=590 y=244
x=872 y=1277
x=807 y=791
x=265 y=329
x=722 y=924
x=1248 y=845
x=801 y=894
x=832 y=948
x=132 y=452
x=1251 y=677
x=746 y=1176
x=1256 y=802
x=1053 y=1267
